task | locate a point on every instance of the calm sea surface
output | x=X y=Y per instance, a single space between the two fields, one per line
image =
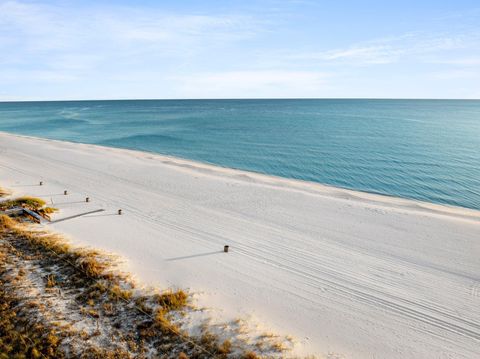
x=421 y=149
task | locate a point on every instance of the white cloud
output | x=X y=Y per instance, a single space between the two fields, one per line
x=54 y=33
x=375 y=54
x=390 y=50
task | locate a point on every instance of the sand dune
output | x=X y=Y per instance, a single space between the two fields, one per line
x=345 y=273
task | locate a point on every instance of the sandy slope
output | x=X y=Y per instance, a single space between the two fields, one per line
x=359 y=275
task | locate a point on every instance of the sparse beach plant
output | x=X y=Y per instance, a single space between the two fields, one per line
x=32 y=203
x=171 y=300
x=50 y=281
x=26 y=201
x=226 y=347
x=135 y=322
x=250 y=355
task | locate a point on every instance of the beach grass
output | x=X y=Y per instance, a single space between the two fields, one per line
x=58 y=299
x=32 y=203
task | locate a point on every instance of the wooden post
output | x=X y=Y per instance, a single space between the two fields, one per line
x=65 y=192
x=119 y=211
x=87 y=199
x=41 y=183
x=225 y=249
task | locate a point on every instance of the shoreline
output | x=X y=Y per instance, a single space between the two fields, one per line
x=270 y=179
x=348 y=274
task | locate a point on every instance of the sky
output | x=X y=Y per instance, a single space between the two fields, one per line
x=73 y=50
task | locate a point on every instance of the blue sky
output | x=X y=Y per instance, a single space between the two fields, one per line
x=239 y=49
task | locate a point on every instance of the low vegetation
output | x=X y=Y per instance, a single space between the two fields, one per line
x=59 y=301
x=27 y=202
x=34 y=204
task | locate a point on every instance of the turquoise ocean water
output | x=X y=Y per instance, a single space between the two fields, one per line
x=421 y=149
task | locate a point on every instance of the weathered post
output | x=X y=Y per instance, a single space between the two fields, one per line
x=119 y=211
x=65 y=192
x=87 y=199
x=225 y=248
x=41 y=183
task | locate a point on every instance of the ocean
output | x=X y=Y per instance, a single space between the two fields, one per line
x=427 y=150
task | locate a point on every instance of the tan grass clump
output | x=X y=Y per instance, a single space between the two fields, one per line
x=116 y=293
x=171 y=300
x=250 y=355
x=6 y=222
x=89 y=263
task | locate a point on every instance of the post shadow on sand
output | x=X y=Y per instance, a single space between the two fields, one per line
x=77 y=215
x=73 y=202
x=101 y=215
x=193 y=256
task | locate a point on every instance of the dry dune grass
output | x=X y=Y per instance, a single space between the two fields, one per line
x=58 y=300
x=25 y=201
x=34 y=204
x=99 y=291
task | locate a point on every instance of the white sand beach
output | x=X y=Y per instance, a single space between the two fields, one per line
x=345 y=273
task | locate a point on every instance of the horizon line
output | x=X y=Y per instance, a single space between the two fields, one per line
x=252 y=98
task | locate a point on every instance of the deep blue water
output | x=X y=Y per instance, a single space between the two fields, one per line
x=421 y=149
